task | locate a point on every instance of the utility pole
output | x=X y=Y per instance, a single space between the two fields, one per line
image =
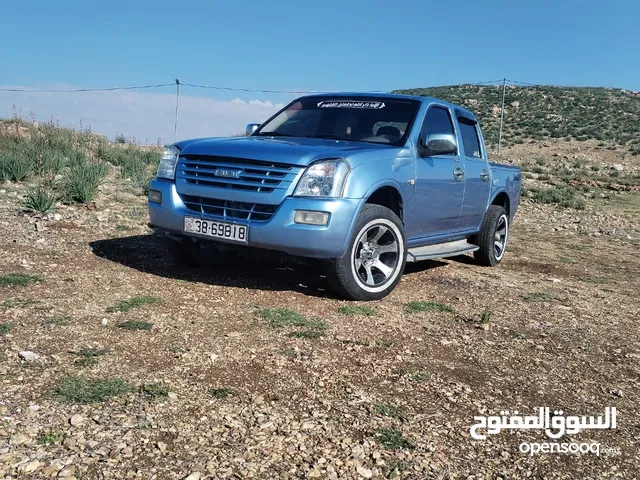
x=504 y=88
x=175 y=130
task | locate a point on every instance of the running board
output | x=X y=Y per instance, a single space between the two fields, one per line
x=441 y=250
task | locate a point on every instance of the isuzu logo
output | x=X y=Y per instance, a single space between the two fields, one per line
x=227 y=173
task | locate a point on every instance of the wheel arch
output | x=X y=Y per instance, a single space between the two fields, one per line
x=502 y=199
x=387 y=195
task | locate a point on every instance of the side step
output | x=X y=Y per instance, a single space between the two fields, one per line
x=441 y=250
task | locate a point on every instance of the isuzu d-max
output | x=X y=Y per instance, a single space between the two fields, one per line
x=363 y=182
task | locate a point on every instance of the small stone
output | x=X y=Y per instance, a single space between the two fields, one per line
x=50 y=471
x=618 y=393
x=172 y=396
x=28 y=356
x=57 y=217
x=32 y=466
x=618 y=167
x=162 y=447
x=364 y=472
x=77 y=420
x=19 y=439
x=193 y=476
x=259 y=400
x=67 y=471
x=445 y=342
x=105 y=322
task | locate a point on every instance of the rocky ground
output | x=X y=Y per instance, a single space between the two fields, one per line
x=197 y=375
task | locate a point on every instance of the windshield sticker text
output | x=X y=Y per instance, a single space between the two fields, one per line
x=350 y=104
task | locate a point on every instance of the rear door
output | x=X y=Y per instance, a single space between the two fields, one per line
x=439 y=183
x=478 y=176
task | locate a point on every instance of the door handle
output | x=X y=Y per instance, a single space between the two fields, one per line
x=458 y=174
x=484 y=175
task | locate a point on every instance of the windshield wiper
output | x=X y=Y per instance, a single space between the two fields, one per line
x=328 y=137
x=272 y=134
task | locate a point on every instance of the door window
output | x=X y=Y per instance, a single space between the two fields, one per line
x=470 y=139
x=437 y=120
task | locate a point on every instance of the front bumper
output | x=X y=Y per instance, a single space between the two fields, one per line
x=280 y=233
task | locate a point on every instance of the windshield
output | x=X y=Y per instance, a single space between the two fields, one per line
x=374 y=120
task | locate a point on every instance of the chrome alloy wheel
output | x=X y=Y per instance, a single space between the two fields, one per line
x=377 y=255
x=501 y=236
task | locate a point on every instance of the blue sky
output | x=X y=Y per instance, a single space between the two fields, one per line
x=329 y=45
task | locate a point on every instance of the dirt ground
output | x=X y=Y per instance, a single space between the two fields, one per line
x=387 y=395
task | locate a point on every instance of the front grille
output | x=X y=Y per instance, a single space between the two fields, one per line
x=227 y=209
x=253 y=175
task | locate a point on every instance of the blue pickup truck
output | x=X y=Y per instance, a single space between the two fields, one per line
x=363 y=182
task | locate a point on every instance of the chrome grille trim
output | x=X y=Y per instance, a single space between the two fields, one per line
x=255 y=175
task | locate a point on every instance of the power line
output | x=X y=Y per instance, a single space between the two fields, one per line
x=75 y=90
x=224 y=88
x=523 y=83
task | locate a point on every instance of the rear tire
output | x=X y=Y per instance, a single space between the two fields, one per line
x=493 y=237
x=375 y=259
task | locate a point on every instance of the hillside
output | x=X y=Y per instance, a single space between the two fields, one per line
x=609 y=116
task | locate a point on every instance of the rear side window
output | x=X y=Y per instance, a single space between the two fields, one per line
x=470 y=139
x=438 y=120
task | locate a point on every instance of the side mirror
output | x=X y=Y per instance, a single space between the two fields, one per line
x=440 y=143
x=252 y=127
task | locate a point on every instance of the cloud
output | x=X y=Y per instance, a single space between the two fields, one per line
x=144 y=116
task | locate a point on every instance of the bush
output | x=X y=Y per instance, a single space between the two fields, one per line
x=83 y=179
x=73 y=389
x=14 y=167
x=51 y=163
x=39 y=199
x=563 y=196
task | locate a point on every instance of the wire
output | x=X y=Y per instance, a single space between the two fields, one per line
x=523 y=83
x=229 y=89
x=75 y=90
x=258 y=90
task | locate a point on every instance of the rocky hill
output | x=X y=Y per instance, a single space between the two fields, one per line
x=611 y=117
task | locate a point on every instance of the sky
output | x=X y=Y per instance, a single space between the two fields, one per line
x=356 y=45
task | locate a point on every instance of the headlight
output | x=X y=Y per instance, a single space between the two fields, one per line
x=167 y=165
x=324 y=178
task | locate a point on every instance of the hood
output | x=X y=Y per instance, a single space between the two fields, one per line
x=292 y=150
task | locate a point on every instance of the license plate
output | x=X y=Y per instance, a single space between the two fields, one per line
x=227 y=231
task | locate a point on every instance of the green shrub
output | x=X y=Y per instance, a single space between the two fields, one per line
x=356 y=310
x=51 y=163
x=83 y=179
x=39 y=199
x=221 y=392
x=282 y=317
x=564 y=196
x=154 y=390
x=415 y=307
x=18 y=279
x=126 y=305
x=14 y=167
x=74 y=389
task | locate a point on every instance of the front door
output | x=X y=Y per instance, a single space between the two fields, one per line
x=439 y=183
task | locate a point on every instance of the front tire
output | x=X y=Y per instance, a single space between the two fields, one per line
x=375 y=259
x=493 y=237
